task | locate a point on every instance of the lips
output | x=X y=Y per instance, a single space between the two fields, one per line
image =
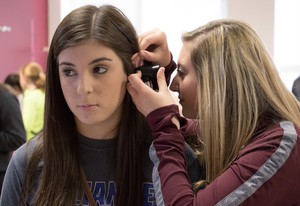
x=87 y=106
x=180 y=99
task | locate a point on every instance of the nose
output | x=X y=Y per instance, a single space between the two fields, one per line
x=174 y=87
x=84 y=85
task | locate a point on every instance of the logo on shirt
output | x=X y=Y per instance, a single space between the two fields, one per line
x=104 y=194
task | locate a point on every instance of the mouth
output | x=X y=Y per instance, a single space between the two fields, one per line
x=87 y=106
x=180 y=99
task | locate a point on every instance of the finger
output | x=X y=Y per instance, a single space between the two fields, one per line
x=149 y=56
x=135 y=80
x=139 y=73
x=145 y=34
x=161 y=79
x=134 y=96
x=132 y=91
x=153 y=37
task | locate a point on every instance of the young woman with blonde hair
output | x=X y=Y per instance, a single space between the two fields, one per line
x=249 y=121
x=32 y=81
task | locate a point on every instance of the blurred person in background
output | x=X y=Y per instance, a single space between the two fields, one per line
x=32 y=81
x=296 y=88
x=12 y=132
x=13 y=82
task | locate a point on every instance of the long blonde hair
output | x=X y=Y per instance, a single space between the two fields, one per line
x=238 y=86
x=34 y=73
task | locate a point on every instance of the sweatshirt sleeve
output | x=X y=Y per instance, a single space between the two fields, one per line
x=170 y=178
x=267 y=164
x=169 y=69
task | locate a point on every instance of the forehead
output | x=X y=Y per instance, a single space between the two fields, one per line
x=185 y=55
x=86 y=50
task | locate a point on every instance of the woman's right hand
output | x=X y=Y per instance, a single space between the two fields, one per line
x=144 y=97
x=153 y=48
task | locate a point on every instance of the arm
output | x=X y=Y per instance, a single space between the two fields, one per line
x=267 y=164
x=169 y=172
x=257 y=176
x=12 y=132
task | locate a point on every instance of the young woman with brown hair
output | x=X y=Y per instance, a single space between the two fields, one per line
x=94 y=146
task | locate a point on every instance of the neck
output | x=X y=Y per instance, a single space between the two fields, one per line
x=98 y=131
x=31 y=87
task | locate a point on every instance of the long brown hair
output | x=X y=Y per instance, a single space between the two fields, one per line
x=238 y=86
x=59 y=181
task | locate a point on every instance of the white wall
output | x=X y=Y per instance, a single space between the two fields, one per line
x=276 y=22
x=273 y=20
x=58 y=9
x=287 y=40
x=173 y=18
x=259 y=14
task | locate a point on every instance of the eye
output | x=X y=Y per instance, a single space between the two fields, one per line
x=68 y=72
x=180 y=71
x=99 y=69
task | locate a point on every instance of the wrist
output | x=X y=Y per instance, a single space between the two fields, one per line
x=175 y=121
x=171 y=62
x=163 y=116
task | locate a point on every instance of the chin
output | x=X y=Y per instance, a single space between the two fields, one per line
x=189 y=115
x=86 y=120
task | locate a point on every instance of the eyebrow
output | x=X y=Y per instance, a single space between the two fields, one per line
x=99 y=60
x=92 y=62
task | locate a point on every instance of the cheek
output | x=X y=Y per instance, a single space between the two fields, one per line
x=190 y=85
x=67 y=89
x=191 y=96
x=118 y=89
x=189 y=88
x=112 y=87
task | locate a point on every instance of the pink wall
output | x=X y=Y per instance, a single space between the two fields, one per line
x=23 y=34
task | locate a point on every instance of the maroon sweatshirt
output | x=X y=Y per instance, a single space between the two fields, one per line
x=266 y=171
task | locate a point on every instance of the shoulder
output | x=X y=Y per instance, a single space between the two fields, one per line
x=15 y=174
x=277 y=135
x=270 y=161
x=22 y=154
x=18 y=164
x=33 y=98
x=271 y=149
x=7 y=98
x=35 y=93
